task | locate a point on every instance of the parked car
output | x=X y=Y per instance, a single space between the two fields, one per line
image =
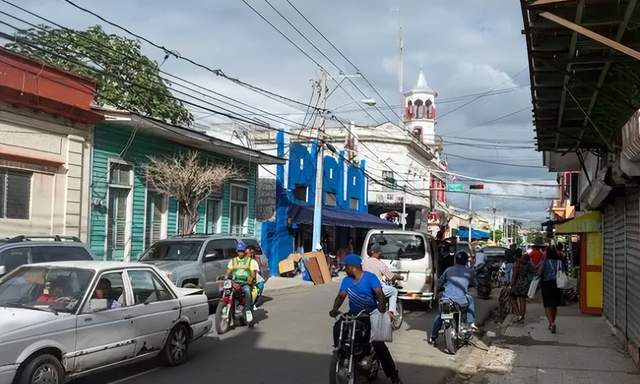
x=409 y=254
x=67 y=319
x=195 y=261
x=20 y=250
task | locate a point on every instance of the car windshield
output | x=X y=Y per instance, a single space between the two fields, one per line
x=174 y=251
x=399 y=245
x=46 y=288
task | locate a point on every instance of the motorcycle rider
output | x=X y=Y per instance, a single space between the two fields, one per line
x=242 y=269
x=456 y=281
x=365 y=293
x=374 y=265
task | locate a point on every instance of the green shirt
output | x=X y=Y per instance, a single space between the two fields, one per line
x=241 y=269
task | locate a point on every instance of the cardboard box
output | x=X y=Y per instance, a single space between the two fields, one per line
x=313 y=267
x=286 y=265
x=295 y=257
x=322 y=263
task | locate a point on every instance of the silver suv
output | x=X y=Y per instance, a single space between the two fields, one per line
x=195 y=261
x=20 y=250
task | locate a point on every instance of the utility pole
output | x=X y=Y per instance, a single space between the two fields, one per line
x=494 y=221
x=317 y=207
x=401 y=76
x=470 y=219
x=404 y=207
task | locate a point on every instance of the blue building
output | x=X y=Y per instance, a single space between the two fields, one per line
x=345 y=219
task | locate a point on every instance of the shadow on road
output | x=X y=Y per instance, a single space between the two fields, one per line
x=242 y=359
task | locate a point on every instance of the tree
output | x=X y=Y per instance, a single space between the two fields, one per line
x=190 y=180
x=125 y=77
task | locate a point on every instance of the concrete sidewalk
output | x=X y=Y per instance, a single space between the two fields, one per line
x=582 y=351
x=276 y=283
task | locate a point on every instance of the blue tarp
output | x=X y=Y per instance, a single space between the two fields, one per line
x=476 y=234
x=303 y=214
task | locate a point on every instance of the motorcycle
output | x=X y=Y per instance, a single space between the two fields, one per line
x=483 y=280
x=231 y=309
x=353 y=356
x=334 y=265
x=454 y=324
x=396 y=323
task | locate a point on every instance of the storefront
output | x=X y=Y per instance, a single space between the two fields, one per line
x=588 y=228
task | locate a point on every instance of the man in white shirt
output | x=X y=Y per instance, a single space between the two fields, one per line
x=374 y=265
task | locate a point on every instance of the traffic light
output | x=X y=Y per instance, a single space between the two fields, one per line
x=476 y=186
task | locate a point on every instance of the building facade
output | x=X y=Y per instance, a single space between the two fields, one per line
x=46 y=135
x=127 y=215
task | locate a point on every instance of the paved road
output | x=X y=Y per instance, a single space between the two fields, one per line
x=291 y=344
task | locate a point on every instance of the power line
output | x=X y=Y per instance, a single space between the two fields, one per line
x=495 y=162
x=177 y=55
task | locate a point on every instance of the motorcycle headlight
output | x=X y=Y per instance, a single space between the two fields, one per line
x=227 y=284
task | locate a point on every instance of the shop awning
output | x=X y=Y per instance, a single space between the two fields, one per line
x=303 y=214
x=589 y=222
x=476 y=234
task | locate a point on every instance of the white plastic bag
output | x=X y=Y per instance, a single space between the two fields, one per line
x=381 y=326
x=533 y=287
x=562 y=281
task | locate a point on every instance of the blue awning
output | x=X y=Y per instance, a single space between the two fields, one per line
x=476 y=234
x=303 y=214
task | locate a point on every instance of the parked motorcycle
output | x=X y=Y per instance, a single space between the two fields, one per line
x=353 y=356
x=483 y=281
x=231 y=309
x=454 y=324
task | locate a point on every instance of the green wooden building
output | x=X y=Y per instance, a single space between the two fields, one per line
x=127 y=215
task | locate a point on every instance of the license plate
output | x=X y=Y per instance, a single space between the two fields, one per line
x=446 y=316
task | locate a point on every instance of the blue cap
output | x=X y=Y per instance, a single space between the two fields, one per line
x=242 y=246
x=462 y=257
x=352 y=259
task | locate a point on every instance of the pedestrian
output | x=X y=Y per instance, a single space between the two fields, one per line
x=551 y=294
x=536 y=254
x=522 y=269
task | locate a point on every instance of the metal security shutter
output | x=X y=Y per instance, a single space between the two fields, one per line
x=633 y=267
x=609 y=215
x=620 y=271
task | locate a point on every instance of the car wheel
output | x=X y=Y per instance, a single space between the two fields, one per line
x=177 y=346
x=43 y=369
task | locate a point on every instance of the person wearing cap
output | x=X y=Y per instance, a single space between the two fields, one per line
x=374 y=265
x=456 y=281
x=242 y=269
x=365 y=294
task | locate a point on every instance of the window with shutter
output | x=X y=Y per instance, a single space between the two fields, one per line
x=156 y=209
x=15 y=194
x=239 y=210
x=120 y=181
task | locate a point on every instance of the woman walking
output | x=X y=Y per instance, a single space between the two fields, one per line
x=551 y=294
x=520 y=283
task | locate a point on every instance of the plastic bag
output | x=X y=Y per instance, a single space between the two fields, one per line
x=380 y=326
x=562 y=281
x=533 y=287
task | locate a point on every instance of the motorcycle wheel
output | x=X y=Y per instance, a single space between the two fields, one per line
x=397 y=323
x=338 y=370
x=223 y=318
x=451 y=338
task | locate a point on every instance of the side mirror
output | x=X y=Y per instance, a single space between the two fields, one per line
x=3 y=270
x=210 y=256
x=96 y=305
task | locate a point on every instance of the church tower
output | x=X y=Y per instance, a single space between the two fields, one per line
x=420 y=110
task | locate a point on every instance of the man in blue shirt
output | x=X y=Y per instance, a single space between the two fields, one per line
x=456 y=281
x=365 y=294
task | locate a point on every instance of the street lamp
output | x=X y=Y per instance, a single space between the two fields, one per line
x=368 y=102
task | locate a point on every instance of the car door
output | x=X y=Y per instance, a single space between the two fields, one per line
x=154 y=310
x=105 y=336
x=216 y=266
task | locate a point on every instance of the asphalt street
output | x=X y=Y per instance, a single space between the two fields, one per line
x=291 y=343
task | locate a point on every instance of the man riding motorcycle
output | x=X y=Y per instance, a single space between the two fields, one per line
x=365 y=293
x=382 y=271
x=456 y=281
x=242 y=269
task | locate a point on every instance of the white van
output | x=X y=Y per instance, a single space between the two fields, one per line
x=408 y=254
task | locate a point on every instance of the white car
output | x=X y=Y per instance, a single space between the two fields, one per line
x=66 y=319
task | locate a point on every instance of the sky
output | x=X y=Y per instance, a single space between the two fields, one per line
x=464 y=47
